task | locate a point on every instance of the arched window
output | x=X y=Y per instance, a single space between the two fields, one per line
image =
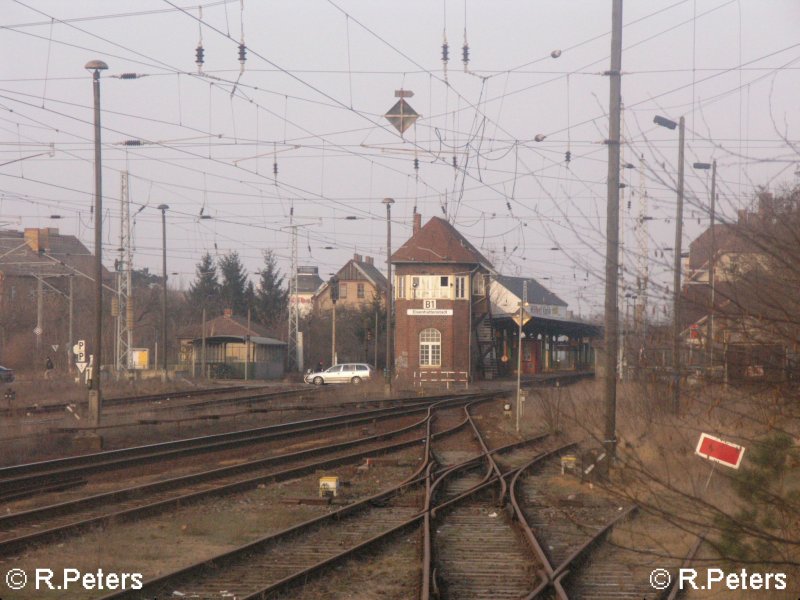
x=430 y=348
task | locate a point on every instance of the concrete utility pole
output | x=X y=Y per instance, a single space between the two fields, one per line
x=389 y=300
x=522 y=305
x=676 y=292
x=95 y=392
x=612 y=235
x=293 y=349
x=163 y=208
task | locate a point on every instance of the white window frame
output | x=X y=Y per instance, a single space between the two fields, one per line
x=400 y=286
x=461 y=287
x=430 y=347
x=426 y=287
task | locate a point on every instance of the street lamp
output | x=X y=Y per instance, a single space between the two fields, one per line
x=163 y=208
x=95 y=394
x=712 y=257
x=676 y=291
x=388 y=202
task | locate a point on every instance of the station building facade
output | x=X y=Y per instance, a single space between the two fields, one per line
x=456 y=319
x=440 y=293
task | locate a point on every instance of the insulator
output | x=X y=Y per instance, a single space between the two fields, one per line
x=568 y=156
x=199 y=54
x=132 y=143
x=129 y=314
x=129 y=76
x=445 y=52
x=416 y=164
x=508 y=205
x=455 y=163
x=465 y=54
x=242 y=53
x=275 y=168
x=629 y=204
x=114 y=307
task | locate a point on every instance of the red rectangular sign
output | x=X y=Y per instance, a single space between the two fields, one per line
x=720 y=451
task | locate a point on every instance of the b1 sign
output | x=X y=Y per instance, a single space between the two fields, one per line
x=720 y=451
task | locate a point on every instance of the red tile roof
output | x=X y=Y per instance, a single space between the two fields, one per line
x=439 y=242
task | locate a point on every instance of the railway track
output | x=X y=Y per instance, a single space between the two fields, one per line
x=589 y=545
x=23 y=528
x=470 y=539
x=142 y=399
x=277 y=562
x=48 y=473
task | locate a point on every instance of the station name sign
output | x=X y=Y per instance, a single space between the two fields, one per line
x=429 y=310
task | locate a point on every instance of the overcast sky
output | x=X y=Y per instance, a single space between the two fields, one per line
x=320 y=75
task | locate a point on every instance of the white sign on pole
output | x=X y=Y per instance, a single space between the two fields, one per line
x=79 y=350
x=54 y=347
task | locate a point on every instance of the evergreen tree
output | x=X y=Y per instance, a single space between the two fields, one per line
x=272 y=298
x=233 y=288
x=204 y=292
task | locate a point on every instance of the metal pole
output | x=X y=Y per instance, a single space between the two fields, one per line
x=612 y=234
x=203 y=347
x=247 y=348
x=70 y=333
x=333 y=334
x=676 y=292
x=711 y=265
x=522 y=304
x=95 y=392
x=376 y=338
x=39 y=313
x=163 y=208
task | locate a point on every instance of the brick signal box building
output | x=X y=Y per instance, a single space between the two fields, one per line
x=442 y=306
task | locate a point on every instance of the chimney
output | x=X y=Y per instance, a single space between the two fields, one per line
x=369 y=260
x=38 y=240
x=357 y=258
x=417 y=223
x=227 y=313
x=742 y=214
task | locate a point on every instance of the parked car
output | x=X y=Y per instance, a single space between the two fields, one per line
x=345 y=373
x=6 y=375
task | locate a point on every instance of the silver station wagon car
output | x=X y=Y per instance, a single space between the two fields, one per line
x=345 y=373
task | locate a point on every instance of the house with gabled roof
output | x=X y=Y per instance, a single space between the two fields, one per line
x=441 y=303
x=359 y=282
x=457 y=320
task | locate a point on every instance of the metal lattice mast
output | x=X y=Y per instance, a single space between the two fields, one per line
x=643 y=268
x=124 y=284
x=294 y=301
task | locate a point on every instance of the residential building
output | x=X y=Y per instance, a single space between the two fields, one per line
x=308 y=282
x=359 y=281
x=739 y=297
x=46 y=294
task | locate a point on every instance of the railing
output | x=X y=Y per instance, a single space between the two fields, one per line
x=437 y=378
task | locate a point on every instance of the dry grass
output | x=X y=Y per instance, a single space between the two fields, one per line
x=657 y=467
